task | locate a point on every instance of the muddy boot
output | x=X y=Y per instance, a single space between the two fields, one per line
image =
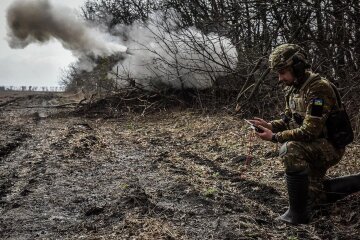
x=298 y=211
x=338 y=188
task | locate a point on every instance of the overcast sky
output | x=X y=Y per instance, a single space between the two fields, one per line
x=35 y=65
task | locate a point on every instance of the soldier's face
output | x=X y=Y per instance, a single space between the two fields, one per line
x=286 y=76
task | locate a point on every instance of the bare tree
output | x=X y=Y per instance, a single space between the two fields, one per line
x=328 y=29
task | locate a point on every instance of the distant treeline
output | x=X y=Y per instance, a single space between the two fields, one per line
x=31 y=89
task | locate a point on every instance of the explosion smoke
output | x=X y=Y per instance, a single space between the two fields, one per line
x=31 y=21
x=162 y=53
x=165 y=55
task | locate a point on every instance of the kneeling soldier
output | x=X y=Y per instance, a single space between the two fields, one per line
x=314 y=131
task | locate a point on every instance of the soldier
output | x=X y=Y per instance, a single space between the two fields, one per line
x=307 y=153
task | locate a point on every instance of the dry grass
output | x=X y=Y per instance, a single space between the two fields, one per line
x=171 y=175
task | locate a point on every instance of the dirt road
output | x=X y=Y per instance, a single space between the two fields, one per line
x=169 y=175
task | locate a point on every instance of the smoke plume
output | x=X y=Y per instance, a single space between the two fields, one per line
x=38 y=21
x=164 y=55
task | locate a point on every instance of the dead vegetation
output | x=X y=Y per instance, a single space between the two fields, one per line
x=164 y=174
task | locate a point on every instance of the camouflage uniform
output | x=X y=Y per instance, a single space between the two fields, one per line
x=311 y=104
x=303 y=132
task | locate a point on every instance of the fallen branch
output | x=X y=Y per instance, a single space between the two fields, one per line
x=8 y=102
x=66 y=105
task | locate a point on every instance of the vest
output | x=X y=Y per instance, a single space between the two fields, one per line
x=296 y=100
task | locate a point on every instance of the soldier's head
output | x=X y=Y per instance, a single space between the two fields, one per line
x=289 y=62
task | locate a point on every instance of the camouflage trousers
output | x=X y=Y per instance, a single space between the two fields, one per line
x=316 y=157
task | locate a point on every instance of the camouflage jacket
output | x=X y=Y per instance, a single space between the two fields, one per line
x=307 y=109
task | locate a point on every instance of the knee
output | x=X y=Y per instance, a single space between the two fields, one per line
x=289 y=149
x=293 y=157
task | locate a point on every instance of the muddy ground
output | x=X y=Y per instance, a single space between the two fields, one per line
x=178 y=174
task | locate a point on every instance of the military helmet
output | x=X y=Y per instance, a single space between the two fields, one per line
x=285 y=55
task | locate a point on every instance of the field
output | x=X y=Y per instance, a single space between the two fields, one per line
x=170 y=174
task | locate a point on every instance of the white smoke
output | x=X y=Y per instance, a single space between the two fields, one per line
x=38 y=21
x=163 y=54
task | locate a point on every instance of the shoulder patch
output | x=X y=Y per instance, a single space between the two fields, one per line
x=317 y=105
x=318 y=102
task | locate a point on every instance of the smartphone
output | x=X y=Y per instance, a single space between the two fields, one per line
x=257 y=129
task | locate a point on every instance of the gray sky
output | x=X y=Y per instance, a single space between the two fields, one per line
x=35 y=65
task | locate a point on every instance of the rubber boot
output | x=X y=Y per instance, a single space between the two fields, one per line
x=338 y=188
x=298 y=211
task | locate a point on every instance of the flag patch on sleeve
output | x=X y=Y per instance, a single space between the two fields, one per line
x=317 y=106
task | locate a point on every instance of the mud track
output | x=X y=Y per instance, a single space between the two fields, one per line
x=169 y=175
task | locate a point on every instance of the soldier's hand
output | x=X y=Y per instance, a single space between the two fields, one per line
x=261 y=122
x=266 y=134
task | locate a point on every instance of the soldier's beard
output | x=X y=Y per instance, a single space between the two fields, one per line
x=287 y=82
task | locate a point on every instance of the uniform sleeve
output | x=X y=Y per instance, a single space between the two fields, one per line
x=281 y=124
x=278 y=125
x=319 y=101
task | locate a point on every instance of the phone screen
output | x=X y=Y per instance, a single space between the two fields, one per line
x=253 y=126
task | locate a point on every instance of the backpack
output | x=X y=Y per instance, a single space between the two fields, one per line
x=339 y=130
